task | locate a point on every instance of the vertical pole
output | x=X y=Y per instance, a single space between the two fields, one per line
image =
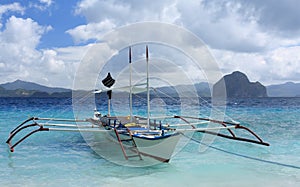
x=109 y=93
x=108 y=112
x=148 y=91
x=130 y=84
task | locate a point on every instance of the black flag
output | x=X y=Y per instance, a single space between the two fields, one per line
x=108 y=81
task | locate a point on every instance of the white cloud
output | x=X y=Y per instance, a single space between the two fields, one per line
x=125 y=11
x=280 y=17
x=20 y=58
x=24 y=32
x=14 y=7
x=260 y=38
x=284 y=63
x=170 y=14
x=90 y=31
x=72 y=54
x=62 y=64
x=41 y=4
x=235 y=29
x=18 y=46
x=276 y=66
x=46 y=2
x=52 y=63
x=231 y=25
x=103 y=16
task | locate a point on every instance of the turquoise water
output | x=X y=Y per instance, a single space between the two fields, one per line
x=56 y=158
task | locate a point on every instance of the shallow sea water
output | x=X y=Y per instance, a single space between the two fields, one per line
x=64 y=159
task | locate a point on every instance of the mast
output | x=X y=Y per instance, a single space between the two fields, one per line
x=108 y=82
x=148 y=92
x=108 y=104
x=130 y=84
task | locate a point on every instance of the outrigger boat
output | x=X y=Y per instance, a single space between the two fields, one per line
x=138 y=136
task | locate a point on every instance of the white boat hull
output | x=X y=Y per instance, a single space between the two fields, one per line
x=153 y=151
x=159 y=149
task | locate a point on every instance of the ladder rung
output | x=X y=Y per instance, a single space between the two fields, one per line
x=126 y=140
x=131 y=156
x=133 y=148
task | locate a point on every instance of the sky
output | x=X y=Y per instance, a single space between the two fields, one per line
x=43 y=41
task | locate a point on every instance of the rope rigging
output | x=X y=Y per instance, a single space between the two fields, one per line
x=245 y=156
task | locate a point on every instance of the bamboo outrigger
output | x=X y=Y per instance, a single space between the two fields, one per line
x=137 y=136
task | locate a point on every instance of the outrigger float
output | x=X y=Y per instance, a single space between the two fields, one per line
x=137 y=136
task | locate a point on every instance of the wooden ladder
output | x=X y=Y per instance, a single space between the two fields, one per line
x=133 y=148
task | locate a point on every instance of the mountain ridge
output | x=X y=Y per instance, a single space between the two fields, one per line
x=237 y=85
x=19 y=84
x=21 y=88
x=288 y=89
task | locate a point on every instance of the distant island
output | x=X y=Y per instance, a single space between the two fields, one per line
x=288 y=89
x=237 y=86
x=21 y=88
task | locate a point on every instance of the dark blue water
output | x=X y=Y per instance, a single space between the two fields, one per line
x=62 y=158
